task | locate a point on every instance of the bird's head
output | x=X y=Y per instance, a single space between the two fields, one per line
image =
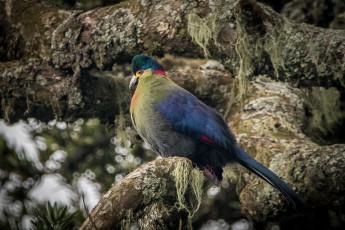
x=143 y=65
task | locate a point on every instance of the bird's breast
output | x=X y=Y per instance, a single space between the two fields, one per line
x=134 y=99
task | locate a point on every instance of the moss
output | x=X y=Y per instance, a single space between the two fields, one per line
x=126 y=223
x=253 y=50
x=232 y=172
x=202 y=30
x=181 y=175
x=117 y=32
x=155 y=217
x=154 y=189
x=315 y=172
x=186 y=177
x=249 y=50
x=83 y=42
x=74 y=100
x=325 y=116
x=299 y=53
x=64 y=43
x=274 y=43
x=197 y=187
x=283 y=133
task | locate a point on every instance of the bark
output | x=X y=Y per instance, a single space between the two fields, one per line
x=270 y=129
x=320 y=13
x=37 y=90
x=148 y=197
x=248 y=38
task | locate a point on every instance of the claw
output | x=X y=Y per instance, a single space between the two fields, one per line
x=210 y=175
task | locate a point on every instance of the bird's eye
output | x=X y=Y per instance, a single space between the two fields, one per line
x=139 y=72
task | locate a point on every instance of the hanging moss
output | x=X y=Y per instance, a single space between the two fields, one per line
x=197 y=187
x=202 y=30
x=245 y=67
x=325 y=116
x=188 y=178
x=126 y=223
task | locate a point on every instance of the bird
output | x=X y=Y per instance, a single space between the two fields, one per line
x=174 y=122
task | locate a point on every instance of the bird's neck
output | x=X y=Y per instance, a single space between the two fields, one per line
x=160 y=72
x=149 y=87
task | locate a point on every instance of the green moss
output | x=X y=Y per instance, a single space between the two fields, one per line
x=252 y=50
x=202 y=30
x=126 y=223
x=326 y=116
x=197 y=187
x=115 y=31
x=283 y=133
x=188 y=178
x=246 y=53
x=181 y=175
x=154 y=189
x=232 y=172
x=274 y=43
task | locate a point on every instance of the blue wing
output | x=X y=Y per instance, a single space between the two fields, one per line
x=193 y=118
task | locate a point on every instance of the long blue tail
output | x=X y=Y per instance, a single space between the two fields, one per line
x=290 y=195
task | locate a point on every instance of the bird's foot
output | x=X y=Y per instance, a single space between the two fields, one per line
x=211 y=175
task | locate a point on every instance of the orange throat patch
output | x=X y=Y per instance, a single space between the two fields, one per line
x=134 y=99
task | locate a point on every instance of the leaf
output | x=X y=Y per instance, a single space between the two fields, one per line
x=53 y=217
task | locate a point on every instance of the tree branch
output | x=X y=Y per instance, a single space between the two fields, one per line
x=149 y=195
x=46 y=93
x=298 y=53
x=270 y=128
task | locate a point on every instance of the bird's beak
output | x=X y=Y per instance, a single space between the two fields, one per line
x=133 y=83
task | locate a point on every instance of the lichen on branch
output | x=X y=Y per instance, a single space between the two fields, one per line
x=162 y=194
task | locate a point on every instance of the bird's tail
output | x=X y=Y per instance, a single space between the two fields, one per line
x=290 y=195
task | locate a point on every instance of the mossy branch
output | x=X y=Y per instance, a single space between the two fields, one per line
x=299 y=53
x=163 y=194
x=270 y=128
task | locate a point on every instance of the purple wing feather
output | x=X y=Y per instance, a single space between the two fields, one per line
x=193 y=118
